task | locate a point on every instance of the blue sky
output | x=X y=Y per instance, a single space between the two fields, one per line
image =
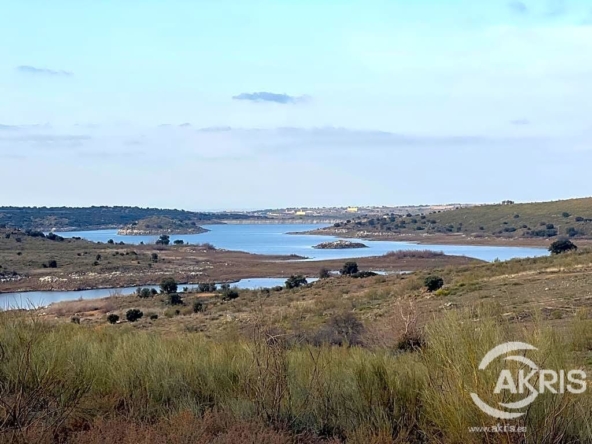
x=228 y=104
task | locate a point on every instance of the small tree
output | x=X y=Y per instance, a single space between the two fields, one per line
x=349 y=268
x=168 y=285
x=163 y=240
x=133 y=315
x=198 y=307
x=562 y=246
x=433 y=283
x=112 y=318
x=295 y=281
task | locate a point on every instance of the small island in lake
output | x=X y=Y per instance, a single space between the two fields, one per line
x=339 y=244
x=158 y=225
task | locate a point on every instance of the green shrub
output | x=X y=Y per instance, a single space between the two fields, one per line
x=173 y=299
x=324 y=273
x=198 y=307
x=295 y=281
x=562 y=246
x=112 y=318
x=75 y=320
x=433 y=283
x=349 y=268
x=133 y=315
x=168 y=285
x=153 y=317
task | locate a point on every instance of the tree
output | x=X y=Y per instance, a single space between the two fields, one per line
x=168 y=285
x=144 y=293
x=296 y=281
x=433 y=283
x=112 y=318
x=562 y=246
x=349 y=268
x=164 y=239
x=133 y=315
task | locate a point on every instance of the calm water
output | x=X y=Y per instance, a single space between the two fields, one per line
x=272 y=239
x=31 y=299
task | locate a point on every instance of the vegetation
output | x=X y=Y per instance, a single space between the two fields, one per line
x=507 y=220
x=96 y=218
x=562 y=246
x=112 y=318
x=168 y=285
x=433 y=283
x=295 y=281
x=349 y=268
x=133 y=315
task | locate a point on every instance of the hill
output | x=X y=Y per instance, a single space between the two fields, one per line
x=543 y=220
x=95 y=218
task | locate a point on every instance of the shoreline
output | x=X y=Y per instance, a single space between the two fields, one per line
x=442 y=239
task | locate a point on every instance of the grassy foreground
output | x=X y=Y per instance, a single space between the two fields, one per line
x=70 y=383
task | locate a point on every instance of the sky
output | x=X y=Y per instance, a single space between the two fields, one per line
x=209 y=105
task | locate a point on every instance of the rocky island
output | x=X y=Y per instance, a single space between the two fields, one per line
x=161 y=225
x=339 y=245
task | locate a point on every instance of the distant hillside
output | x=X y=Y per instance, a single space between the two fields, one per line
x=93 y=218
x=572 y=218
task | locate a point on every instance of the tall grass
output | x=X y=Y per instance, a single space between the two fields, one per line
x=68 y=381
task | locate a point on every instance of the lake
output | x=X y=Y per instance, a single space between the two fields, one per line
x=273 y=239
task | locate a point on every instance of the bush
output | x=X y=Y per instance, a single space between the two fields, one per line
x=295 y=281
x=154 y=257
x=133 y=315
x=324 y=273
x=433 y=283
x=571 y=232
x=52 y=264
x=364 y=274
x=228 y=294
x=340 y=330
x=163 y=240
x=173 y=299
x=168 y=285
x=562 y=246
x=579 y=219
x=153 y=317
x=178 y=242
x=349 y=268
x=198 y=307
x=565 y=214
x=206 y=287
x=75 y=320
x=144 y=293
x=112 y=318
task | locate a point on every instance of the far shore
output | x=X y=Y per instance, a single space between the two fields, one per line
x=442 y=239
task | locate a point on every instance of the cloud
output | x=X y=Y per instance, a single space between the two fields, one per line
x=269 y=97
x=520 y=122
x=26 y=69
x=518 y=7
